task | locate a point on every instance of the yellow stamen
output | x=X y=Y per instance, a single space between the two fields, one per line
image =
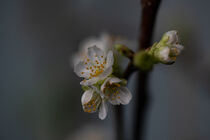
x=118 y=85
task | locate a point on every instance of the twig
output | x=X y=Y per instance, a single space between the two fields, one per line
x=129 y=70
x=119 y=116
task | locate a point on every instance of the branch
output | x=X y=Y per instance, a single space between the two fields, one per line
x=149 y=12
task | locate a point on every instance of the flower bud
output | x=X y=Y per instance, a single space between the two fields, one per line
x=125 y=51
x=171 y=37
x=143 y=60
x=168 y=48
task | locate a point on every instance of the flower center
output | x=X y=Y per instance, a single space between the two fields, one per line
x=96 y=73
x=93 y=104
x=112 y=91
x=95 y=67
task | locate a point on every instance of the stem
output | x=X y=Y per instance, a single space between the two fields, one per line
x=119 y=116
x=149 y=12
x=129 y=70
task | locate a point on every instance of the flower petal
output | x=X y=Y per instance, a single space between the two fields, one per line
x=179 y=47
x=80 y=70
x=87 y=95
x=104 y=83
x=106 y=73
x=111 y=80
x=94 y=80
x=114 y=101
x=114 y=80
x=93 y=51
x=173 y=37
x=89 y=82
x=109 y=59
x=102 y=110
x=125 y=95
x=164 y=53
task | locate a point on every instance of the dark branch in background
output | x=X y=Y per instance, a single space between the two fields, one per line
x=149 y=10
x=119 y=116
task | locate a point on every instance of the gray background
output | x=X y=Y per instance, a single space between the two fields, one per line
x=40 y=94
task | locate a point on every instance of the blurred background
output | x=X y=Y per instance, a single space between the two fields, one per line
x=40 y=94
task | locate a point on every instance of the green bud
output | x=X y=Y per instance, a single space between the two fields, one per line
x=123 y=50
x=143 y=60
x=167 y=49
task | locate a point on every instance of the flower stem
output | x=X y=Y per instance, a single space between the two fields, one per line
x=149 y=10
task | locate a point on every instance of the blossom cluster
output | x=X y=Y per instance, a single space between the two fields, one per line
x=167 y=50
x=94 y=63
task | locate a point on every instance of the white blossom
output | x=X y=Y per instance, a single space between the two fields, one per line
x=112 y=90
x=172 y=37
x=94 y=63
x=115 y=92
x=97 y=66
x=164 y=54
x=104 y=42
x=92 y=102
x=168 y=48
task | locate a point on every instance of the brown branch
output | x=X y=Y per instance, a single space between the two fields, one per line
x=149 y=13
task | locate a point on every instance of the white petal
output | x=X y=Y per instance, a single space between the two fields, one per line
x=109 y=59
x=114 y=102
x=164 y=53
x=106 y=73
x=125 y=95
x=92 y=51
x=91 y=41
x=94 y=80
x=75 y=59
x=179 y=47
x=114 y=80
x=107 y=42
x=104 y=84
x=90 y=81
x=111 y=80
x=102 y=110
x=103 y=42
x=86 y=97
x=80 y=70
x=173 y=37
